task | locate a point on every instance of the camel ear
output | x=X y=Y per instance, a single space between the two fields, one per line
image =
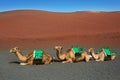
x=16 y=48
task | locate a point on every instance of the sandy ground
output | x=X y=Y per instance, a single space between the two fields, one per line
x=11 y=70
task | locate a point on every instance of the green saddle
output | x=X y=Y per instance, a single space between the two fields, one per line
x=107 y=51
x=38 y=54
x=78 y=50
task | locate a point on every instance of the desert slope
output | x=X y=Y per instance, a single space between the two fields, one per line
x=34 y=29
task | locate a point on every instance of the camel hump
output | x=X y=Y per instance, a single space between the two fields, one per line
x=38 y=54
x=68 y=50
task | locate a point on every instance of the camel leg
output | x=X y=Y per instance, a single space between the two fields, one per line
x=80 y=58
x=101 y=57
x=23 y=64
x=48 y=62
x=51 y=63
x=113 y=57
x=97 y=60
x=96 y=57
x=51 y=60
x=68 y=60
x=27 y=63
x=65 y=61
x=87 y=58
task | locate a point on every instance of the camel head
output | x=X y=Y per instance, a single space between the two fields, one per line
x=91 y=50
x=58 y=47
x=14 y=50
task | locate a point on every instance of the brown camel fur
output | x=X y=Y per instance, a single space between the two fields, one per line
x=100 y=56
x=69 y=55
x=29 y=60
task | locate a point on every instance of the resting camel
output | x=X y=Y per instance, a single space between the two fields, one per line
x=65 y=57
x=101 y=55
x=80 y=54
x=69 y=55
x=29 y=59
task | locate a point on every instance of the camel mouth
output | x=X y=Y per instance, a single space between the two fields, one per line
x=58 y=47
x=55 y=47
x=10 y=51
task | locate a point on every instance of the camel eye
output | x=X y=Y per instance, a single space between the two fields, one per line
x=12 y=50
x=16 y=48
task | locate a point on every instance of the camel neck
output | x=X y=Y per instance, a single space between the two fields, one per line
x=20 y=56
x=59 y=53
x=93 y=54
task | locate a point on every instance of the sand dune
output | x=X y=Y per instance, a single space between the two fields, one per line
x=33 y=29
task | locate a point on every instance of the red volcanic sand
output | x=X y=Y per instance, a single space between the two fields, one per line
x=39 y=29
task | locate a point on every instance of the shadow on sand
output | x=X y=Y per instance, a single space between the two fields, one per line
x=14 y=62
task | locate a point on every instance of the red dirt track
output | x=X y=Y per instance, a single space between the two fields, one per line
x=35 y=29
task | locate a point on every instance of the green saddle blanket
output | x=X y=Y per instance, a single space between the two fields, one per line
x=107 y=51
x=38 y=54
x=78 y=50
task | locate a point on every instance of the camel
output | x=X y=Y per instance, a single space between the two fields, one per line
x=80 y=54
x=70 y=56
x=65 y=57
x=29 y=58
x=101 y=56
